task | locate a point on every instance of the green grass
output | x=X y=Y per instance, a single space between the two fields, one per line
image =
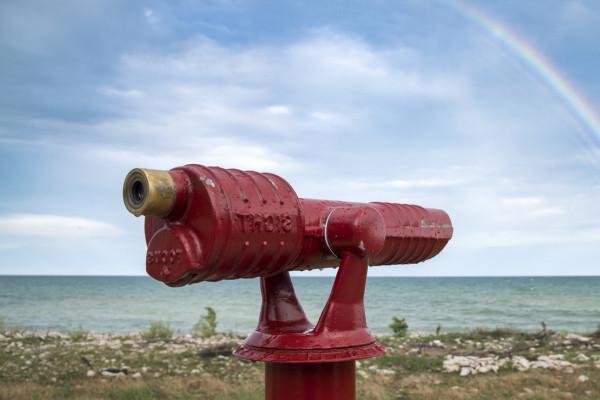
x=145 y=392
x=158 y=330
x=409 y=363
x=78 y=335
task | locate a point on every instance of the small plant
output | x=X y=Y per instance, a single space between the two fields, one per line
x=597 y=333
x=78 y=335
x=158 y=330
x=399 y=327
x=207 y=325
x=438 y=330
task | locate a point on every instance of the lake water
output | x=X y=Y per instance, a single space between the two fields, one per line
x=128 y=304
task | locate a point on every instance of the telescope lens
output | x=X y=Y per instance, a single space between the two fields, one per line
x=149 y=192
x=137 y=193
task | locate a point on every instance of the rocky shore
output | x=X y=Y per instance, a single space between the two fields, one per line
x=588 y=352
x=416 y=366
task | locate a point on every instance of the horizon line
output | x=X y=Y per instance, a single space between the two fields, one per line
x=311 y=276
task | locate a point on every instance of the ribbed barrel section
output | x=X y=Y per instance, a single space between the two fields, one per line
x=413 y=233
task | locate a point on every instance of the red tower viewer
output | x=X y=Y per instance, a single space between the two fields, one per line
x=210 y=223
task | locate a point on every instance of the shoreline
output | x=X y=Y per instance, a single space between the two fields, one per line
x=80 y=364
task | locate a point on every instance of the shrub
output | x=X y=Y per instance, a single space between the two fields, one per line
x=207 y=325
x=597 y=333
x=158 y=330
x=399 y=327
x=78 y=335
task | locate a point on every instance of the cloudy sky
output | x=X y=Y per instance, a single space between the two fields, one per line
x=442 y=103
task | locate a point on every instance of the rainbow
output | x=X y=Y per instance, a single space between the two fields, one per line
x=575 y=101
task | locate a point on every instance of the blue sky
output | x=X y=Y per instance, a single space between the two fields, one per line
x=405 y=101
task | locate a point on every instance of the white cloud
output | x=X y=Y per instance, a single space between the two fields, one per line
x=521 y=201
x=423 y=183
x=9 y=246
x=254 y=107
x=303 y=87
x=529 y=237
x=207 y=151
x=278 y=109
x=151 y=16
x=110 y=91
x=54 y=226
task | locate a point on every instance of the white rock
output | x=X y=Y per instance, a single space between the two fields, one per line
x=137 y=375
x=578 y=338
x=464 y=371
x=521 y=363
x=386 y=372
x=91 y=374
x=583 y=378
x=582 y=357
x=113 y=373
x=109 y=374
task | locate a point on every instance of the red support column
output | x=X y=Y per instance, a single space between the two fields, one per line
x=324 y=381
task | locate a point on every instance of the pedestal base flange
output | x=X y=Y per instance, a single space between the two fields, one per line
x=309 y=356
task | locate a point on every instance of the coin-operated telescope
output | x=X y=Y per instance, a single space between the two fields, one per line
x=209 y=224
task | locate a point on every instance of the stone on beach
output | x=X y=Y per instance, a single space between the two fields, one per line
x=114 y=372
x=471 y=365
x=577 y=338
x=108 y=374
x=583 y=378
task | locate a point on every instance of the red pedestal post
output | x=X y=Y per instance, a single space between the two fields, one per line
x=306 y=362
x=325 y=381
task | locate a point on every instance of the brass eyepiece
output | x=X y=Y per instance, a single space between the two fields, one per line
x=149 y=192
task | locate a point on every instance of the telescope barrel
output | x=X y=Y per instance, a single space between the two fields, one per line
x=209 y=224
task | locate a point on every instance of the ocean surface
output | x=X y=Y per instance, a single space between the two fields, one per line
x=128 y=304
